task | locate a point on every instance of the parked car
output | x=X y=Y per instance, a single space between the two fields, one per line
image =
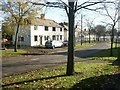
x=53 y=44
x=65 y=43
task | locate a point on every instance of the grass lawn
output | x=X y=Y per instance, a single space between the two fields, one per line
x=105 y=55
x=88 y=75
x=10 y=52
x=84 y=45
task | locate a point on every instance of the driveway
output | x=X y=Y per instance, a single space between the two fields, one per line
x=20 y=64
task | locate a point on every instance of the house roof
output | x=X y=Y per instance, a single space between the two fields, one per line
x=66 y=28
x=45 y=22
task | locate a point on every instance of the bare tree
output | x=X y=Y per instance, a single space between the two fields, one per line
x=71 y=8
x=111 y=11
x=90 y=26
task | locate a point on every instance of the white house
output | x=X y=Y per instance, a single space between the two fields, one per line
x=39 y=31
x=84 y=34
x=66 y=31
x=65 y=25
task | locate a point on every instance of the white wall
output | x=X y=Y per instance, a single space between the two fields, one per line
x=28 y=33
x=66 y=34
x=92 y=37
x=40 y=32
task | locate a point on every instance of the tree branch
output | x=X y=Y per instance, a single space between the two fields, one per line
x=51 y=4
x=66 y=11
x=75 y=6
x=108 y=13
x=64 y=3
x=27 y=10
x=89 y=4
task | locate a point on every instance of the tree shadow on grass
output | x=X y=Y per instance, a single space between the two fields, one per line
x=116 y=62
x=105 y=82
x=91 y=53
x=106 y=53
x=26 y=81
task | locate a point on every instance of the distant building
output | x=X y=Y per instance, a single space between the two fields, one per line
x=84 y=34
x=39 y=31
x=66 y=31
x=65 y=26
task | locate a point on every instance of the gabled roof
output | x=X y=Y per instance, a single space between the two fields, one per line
x=66 y=28
x=45 y=22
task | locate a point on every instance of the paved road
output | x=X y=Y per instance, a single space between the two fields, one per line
x=14 y=65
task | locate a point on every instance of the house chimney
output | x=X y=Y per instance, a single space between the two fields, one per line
x=42 y=16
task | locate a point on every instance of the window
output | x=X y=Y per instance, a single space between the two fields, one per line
x=54 y=29
x=53 y=37
x=46 y=37
x=57 y=37
x=61 y=29
x=20 y=38
x=35 y=27
x=60 y=37
x=46 y=28
x=35 y=38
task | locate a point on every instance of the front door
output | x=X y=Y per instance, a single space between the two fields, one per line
x=40 y=40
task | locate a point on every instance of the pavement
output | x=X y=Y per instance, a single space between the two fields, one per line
x=21 y=64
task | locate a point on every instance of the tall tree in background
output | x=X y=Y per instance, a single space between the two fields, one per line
x=91 y=29
x=21 y=13
x=118 y=47
x=8 y=28
x=111 y=11
x=100 y=31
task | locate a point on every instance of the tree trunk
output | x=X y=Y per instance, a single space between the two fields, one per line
x=16 y=39
x=70 y=62
x=118 y=53
x=104 y=38
x=81 y=29
x=116 y=42
x=111 y=50
x=112 y=40
x=94 y=37
x=89 y=36
x=98 y=39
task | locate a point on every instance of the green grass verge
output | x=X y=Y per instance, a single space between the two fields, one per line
x=105 y=55
x=84 y=45
x=54 y=78
x=10 y=52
